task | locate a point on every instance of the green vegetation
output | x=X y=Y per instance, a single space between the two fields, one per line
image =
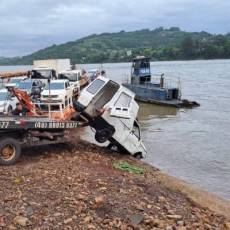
x=129 y=168
x=158 y=44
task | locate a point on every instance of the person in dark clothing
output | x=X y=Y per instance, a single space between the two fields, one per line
x=20 y=110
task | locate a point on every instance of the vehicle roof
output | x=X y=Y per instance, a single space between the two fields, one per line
x=27 y=81
x=59 y=81
x=93 y=70
x=21 y=77
x=71 y=71
x=42 y=68
x=122 y=88
x=3 y=90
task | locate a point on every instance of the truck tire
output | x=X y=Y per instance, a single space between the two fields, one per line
x=102 y=135
x=10 y=151
x=9 y=110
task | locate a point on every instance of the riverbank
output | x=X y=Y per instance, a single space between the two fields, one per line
x=77 y=186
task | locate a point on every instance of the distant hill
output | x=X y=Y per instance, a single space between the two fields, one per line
x=158 y=44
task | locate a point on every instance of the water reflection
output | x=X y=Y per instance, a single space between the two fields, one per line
x=150 y=111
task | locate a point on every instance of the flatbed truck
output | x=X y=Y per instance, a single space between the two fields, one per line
x=17 y=132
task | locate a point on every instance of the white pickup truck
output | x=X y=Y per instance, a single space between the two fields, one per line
x=112 y=111
x=57 y=91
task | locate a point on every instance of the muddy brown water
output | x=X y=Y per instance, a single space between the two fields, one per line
x=191 y=144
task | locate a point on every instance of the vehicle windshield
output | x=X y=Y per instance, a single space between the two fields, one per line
x=16 y=80
x=55 y=86
x=69 y=76
x=41 y=73
x=25 y=85
x=95 y=86
x=4 y=96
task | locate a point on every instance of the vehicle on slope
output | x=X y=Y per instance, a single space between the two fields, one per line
x=107 y=107
x=112 y=111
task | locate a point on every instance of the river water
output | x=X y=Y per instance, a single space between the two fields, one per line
x=191 y=144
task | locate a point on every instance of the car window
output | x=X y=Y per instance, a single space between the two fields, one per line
x=25 y=85
x=123 y=100
x=4 y=96
x=69 y=76
x=54 y=86
x=54 y=107
x=16 y=80
x=95 y=86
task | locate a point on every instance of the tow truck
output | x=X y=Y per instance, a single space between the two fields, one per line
x=44 y=123
x=49 y=123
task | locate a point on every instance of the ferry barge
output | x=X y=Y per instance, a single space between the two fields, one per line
x=158 y=92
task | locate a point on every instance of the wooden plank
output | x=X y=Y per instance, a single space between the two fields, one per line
x=13 y=74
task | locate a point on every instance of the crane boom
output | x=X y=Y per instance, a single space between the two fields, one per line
x=24 y=99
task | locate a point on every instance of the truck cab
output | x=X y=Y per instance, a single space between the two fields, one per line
x=111 y=110
x=74 y=77
x=49 y=69
x=43 y=74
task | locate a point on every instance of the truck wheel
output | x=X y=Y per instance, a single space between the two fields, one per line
x=9 y=110
x=103 y=135
x=10 y=151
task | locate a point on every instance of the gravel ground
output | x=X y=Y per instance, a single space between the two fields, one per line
x=75 y=186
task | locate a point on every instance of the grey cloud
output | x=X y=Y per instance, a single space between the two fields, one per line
x=29 y=25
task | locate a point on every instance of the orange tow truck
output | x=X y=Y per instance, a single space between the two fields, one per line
x=44 y=123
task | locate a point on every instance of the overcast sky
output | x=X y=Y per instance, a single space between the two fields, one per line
x=29 y=25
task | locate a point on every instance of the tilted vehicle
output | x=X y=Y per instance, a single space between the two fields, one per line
x=7 y=102
x=111 y=110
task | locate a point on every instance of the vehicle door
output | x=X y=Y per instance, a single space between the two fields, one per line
x=121 y=107
x=12 y=101
x=68 y=89
x=132 y=142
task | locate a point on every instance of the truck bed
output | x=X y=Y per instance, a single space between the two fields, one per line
x=36 y=123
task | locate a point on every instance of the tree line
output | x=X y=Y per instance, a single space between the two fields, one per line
x=158 y=44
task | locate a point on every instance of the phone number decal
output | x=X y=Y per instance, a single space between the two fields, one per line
x=4 y=125
x=56 y=125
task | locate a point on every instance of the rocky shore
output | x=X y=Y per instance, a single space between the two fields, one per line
x=77 y=186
